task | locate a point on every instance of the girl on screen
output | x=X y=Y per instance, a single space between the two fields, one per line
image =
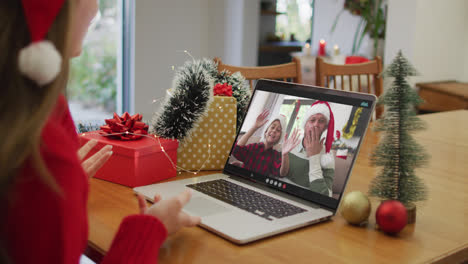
x=261 y=157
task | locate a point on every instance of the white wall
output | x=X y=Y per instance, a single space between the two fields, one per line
x=205 y=28
x=163 y=29
x=236 y=35
x=432 y=34
x=440 y=39
x=251 y=35
x=464 y=77
x=401 y=29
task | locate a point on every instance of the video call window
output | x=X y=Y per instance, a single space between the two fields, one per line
x=261 y=144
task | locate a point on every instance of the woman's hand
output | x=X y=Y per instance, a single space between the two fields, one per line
x=312 y=142
x=95 y=162
x=261 y=119
x=169 y=211
x=290 y=142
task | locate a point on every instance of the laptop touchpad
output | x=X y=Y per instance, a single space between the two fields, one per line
x=201 y=206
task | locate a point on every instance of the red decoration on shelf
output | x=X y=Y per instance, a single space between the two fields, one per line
x=127 y=127
x=338 y=135
x=321 y=50
x=355 y=59
x=391 y=216
x=222 y=89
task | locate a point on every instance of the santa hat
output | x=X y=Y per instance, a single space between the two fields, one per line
x=322 y=107
x=40 y=61
x=282 y=120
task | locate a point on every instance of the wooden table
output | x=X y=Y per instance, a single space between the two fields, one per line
x=443 y=96
x=440 y=234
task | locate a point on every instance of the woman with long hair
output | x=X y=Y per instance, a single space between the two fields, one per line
x=43 y=181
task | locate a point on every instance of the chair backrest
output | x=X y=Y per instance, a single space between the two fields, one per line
x=285 y=72
x=358 y=77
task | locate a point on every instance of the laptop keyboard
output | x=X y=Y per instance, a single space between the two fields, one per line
x=246 y=199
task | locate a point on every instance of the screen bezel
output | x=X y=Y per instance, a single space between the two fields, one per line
x=316 y=93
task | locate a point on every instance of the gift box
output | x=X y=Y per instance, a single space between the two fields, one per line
x=135 y=162
x=210 y=142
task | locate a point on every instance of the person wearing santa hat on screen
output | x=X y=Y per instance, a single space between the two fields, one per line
x=261 y=156
x=311 y=164
x=43 y=176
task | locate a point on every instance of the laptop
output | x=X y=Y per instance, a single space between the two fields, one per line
x=249 y=201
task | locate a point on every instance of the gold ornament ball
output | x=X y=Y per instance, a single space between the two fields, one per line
x=355 y=207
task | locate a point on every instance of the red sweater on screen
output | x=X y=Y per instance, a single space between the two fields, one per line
x=42 y=226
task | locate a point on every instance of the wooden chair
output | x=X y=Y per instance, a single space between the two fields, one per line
x=291 y=71
x=327 y=73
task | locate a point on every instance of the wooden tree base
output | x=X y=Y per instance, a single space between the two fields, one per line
x=411 y=212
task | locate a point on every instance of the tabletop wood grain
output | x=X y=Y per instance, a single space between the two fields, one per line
x=439 y=234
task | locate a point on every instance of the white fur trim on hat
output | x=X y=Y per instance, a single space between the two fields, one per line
x=316 y=109
x=327 y=160
x=282 y=120
x=40 y=62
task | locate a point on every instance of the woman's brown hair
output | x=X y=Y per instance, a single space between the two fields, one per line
x=24 y=105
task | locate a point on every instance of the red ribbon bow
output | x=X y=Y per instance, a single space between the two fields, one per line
x=223 y=89
x=127 y=127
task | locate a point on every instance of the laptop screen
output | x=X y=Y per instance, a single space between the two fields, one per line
x=302 y=140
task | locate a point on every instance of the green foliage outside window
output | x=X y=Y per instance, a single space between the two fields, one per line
x=93 y=75
x=105 y=5
x=296 y=21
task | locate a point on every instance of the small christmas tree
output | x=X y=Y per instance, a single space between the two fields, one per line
x=398 y=152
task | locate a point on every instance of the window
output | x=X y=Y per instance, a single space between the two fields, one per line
x=294 y=110
x=98 y=83
x=297 y=22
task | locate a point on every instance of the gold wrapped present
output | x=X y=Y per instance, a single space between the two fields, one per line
x=210 y=142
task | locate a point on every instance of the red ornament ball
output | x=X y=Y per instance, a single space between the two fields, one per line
x=391 y=216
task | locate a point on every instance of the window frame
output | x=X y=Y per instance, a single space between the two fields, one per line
x=292 y=118
x=126 y=65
